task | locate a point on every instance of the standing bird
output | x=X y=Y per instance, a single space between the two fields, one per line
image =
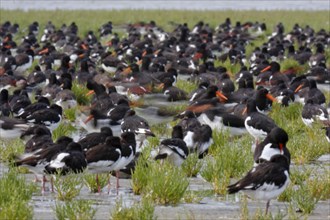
x=128 y=145
x=95 y=138
x=274 y=143
x=103 y=158
x=265 y=181
x=70 y=160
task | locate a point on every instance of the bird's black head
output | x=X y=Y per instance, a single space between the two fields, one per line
x=73 y=146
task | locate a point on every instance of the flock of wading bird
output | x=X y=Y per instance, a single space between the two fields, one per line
x=147 y=61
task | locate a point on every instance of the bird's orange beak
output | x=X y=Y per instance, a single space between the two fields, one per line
x=84 y=46
x=270 y=97
x=265 y=69
x=88 y=119
x=221 y=96
x=91 y=92
x=43 y=51
x=281 y=147
x=298 y=88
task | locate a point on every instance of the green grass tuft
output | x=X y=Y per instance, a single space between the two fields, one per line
x=80 y=92
x=11 y=148
x=75 y=210
x=15 y=195
x=68 y=186
x=64 y=129
x=143 y=209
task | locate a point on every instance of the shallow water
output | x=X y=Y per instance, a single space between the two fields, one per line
x=168 y=5
x=210 y=207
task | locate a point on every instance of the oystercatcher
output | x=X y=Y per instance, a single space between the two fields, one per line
x=312 y=112
x=104 y=157
x=11 y=128
x=50 y=117
x=173 y=149
x=72 y=159
x=218 y=119
x=128 y=146
x=95 y=138
x=41 y=137
x=138 y=125
x=274 y=143
x=38 y=160
x=265 y=181
x=257 y=124
x=42 y=103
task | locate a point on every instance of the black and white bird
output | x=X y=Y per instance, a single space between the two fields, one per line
x=173 y=149
x=41 y=137
x=117 y=113
x=198 y=139
x=313 y=112
x=38 y=160
x=95 y=138
x=138 y=125
x=71 y=160
x=221 y=120
x=50 y=117
x=266 y=181
x=42 y=103
x=257 y=124
x=11 y=128
x=24 y=61
x=128 y=147
x=274 y=143
x=104 y=157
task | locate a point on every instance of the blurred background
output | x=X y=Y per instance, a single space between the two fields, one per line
x=169 y=5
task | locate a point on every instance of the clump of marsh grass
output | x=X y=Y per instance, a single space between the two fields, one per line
x=194 y=196
x=160 y=129
x=64 y=128
x=91 y=183
x=307 y=189
x=292 y=64
x=143 y=209
x=192 y=165
x=15 y=195
x=185 y=85
x=171 y=109
x=260 y=215
x=226 y=161
x=70 y=114
x=68 y=186
x=166 y=183
x=80 y=92
x=75 y=210
x=10 y=148
x=162 y=182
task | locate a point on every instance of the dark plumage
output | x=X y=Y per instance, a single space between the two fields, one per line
x=70 y=160
x=95 y=138
x=265 y=181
